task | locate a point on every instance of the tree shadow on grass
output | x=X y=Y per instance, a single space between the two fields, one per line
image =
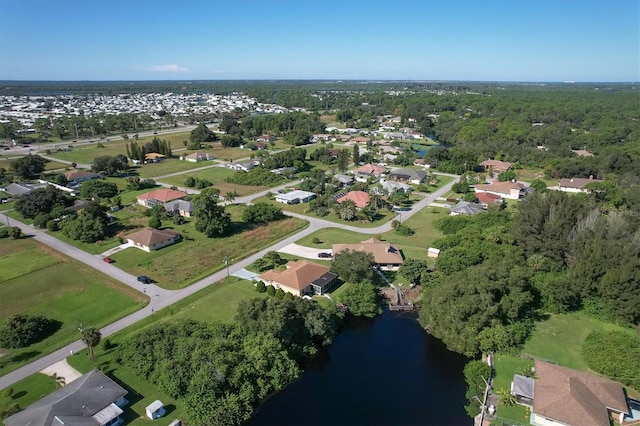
x=24 y=356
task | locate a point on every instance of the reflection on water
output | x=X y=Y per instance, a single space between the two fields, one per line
x=386 y=371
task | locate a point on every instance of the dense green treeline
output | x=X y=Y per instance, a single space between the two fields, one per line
x=497 y=275
x=219 y=372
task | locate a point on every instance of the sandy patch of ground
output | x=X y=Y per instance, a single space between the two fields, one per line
x=62 y=369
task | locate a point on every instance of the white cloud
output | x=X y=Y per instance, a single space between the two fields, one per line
x=168 y=68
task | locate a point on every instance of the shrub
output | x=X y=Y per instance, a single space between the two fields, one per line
x=53 y=225
x=40 y=221
x=4 y=232
x=316 y=240
x=106 y=344
x=271 y=291
x=16 y=233
x=20 y=331
x=190 y=182
x=260 y=287
x=615 y=354
x=279 y=293
x=288 y=296
x=155 y=222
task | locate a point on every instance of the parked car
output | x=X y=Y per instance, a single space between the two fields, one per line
x=144 y=279
x=108 y=260
x=324 y=255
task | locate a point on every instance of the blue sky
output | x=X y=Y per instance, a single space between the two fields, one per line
x=481 y=40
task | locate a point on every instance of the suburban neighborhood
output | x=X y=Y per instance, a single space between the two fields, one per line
x=226 y=220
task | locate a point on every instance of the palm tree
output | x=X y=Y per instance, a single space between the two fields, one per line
x=91 y=337
x=59 y=381
x=229 y=197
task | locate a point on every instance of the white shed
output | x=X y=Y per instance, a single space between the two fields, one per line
x=155 y=410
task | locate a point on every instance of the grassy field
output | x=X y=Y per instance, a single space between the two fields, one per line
x=528 y=175
x=5 y=163
x=86 y=153
x=197 y=256
x=217 y=176
x=37 y=280
x=217 y=303
x=505 y=367
x=559 y=339
x=414 y=246
x=162 y=168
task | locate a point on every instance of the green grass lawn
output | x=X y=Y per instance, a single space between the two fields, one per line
x=414 y=246
x=197 y=256
x=505 y=367
x=29 y=390
x=45 y=282
x=217 y=176
x=5 y=163
x=559 y=339
x=165 y=167
x=528 y=175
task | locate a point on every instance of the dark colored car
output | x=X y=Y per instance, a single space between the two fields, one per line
x=324 y=255
x=108 y=260
x=144 y=279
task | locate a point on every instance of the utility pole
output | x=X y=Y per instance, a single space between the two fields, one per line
x=226 y=262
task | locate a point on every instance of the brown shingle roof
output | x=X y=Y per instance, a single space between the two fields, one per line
x=149 y=237
x=497 y=165
x=78 y=174
x=577 y=183
x=500 y=187
x=163 y=195
x=370 y=169
x=298 y=275
x=360 y=198
x=383 y=253
x=575 y=397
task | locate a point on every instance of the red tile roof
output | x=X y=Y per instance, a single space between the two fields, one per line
x=370 y=169
x=360 y=198
x=163 y=195
x=485 y=197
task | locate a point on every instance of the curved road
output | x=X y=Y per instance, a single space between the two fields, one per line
x=161 y=298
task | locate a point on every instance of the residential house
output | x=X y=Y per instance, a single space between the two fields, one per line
x=153 y=157
x=198 y=156
x=508 y=190
x=155 y=410
x=265 y=139
x=150 y=239
x=17 y=189
x=343 y=180
x=160 y=196
x=179 y=207
x=466 y=208
x=360 y=198
x=565 y=397
x=391 y=186
x=496 y=166
x=295 y=197
x=75 y=176
x=244 y=166
x=285 y=171
x=486 y=198
x=385 y=255
x=301 y=278
x=363 y=173
x=575 y=184
x=93 y=399
x=412 y=176
x=360 y=139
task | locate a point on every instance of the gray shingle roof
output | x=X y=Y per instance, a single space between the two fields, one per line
x=76 y=402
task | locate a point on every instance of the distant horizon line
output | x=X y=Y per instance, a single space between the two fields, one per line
x=335 y=80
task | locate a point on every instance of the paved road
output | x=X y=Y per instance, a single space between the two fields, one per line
x=161 y=298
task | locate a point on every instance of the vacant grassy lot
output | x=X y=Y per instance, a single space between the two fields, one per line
x=217 y=176
x=559 y=339
x=528 y=175
x=37 y=280
x=197 y=256
x=5 y=163
x=172 y=165
x=414 y=246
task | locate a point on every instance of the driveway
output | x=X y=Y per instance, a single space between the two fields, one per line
x=303 y=251
x=64 y=370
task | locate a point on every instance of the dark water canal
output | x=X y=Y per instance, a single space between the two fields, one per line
x=386 y=371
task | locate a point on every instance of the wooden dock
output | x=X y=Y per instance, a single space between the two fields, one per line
x=400 y=304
